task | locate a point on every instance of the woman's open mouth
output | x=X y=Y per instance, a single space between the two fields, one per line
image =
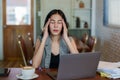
x=55 y=30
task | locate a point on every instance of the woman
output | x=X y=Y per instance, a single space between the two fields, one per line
x=54 y=41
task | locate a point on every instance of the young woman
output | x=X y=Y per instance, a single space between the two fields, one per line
x=54 y=41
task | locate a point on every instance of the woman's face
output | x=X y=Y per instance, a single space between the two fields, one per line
x=55 y=25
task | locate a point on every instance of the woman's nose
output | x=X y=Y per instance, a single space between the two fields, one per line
x=56 y=25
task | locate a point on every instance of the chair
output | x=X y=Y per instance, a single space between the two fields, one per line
x=91 y=44
x=84 y=38
x=30 y=38
x=26 y=48
x=31 y=47
x=77 y=42
x=30 y=42
x=23 y=50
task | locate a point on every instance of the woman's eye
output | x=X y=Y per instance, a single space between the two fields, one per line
x=52 y=22
x=59 y=22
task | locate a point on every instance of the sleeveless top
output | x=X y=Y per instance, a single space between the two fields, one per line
x=54 y=62
x=45 y=63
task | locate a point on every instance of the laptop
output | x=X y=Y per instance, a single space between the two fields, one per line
x=76 y=66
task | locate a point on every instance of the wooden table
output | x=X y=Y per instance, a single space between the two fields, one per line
x=42 y=75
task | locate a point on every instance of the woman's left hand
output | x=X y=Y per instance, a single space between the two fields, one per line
x=70 y=43
x=65 y=30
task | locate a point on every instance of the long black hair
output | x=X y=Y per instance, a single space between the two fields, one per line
x=56 y=11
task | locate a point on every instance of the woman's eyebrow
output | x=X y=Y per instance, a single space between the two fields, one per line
x=52 y=20
x=59 y=20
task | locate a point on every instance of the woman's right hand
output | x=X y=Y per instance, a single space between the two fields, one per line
x=45 y=30
x=39 y=51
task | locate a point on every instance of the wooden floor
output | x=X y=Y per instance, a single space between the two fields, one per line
x=10 y=64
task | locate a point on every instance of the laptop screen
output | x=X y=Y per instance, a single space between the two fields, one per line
x=75 y=66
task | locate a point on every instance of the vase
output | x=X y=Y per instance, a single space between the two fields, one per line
x=77 y=22
x=85 y=25
x=81 y=4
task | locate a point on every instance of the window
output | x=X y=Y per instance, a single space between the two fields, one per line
x=111 y=12
x=18 y=12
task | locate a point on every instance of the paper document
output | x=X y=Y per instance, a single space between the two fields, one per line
x=110 y=65
x=109 y=69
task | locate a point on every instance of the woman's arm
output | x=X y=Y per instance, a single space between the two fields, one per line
x=38 y=53
x=37 y=45
x=40 y=47
x=71 y=44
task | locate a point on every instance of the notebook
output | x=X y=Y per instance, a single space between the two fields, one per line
x=76 y=66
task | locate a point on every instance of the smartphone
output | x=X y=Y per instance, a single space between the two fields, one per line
x=4 y=71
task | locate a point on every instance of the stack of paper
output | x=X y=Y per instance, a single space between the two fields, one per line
x=109 y=69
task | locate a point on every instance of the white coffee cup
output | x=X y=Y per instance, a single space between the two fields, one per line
x=28 y=71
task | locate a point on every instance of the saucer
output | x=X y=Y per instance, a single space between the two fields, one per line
x=20 y=76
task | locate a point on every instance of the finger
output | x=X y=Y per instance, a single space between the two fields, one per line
x=63 y=23
x=43 y=28
x=46 y=25
x=47 y=22
x=64 y=27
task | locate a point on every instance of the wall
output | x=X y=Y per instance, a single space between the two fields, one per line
x=47 y=6
x=37 y=19
x=108 y=38
x=1 y=32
